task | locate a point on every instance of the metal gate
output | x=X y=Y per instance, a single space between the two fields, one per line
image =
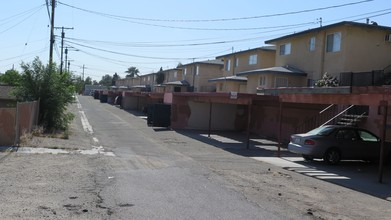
x=159 y=115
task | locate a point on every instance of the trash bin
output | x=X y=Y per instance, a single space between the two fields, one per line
x=159 y=115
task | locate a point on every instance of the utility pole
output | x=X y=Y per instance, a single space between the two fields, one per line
x=233 y=63
x=66 y=56
x=82 y=78
x=69 y=64
x=62 y=44
x=320 y=21
x=52 y=33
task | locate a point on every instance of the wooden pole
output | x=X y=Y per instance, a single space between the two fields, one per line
x=210 y=118
x=279 y=129
x=248 y=125
x=384 y=112
x=53 y=2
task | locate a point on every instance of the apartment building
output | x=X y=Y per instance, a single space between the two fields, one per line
x=337 y=48
x=197 y=74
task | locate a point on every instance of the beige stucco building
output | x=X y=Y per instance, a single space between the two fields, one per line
x=336 y=48
x=197 y=74
x=238 y=62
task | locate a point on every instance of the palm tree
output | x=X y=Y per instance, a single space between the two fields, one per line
x=132 y=72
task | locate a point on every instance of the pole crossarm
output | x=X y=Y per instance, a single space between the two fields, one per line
x=62 y=44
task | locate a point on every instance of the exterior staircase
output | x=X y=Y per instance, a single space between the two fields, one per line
x=331 y=115
x=351 y=120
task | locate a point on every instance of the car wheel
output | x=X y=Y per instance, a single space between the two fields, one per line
x=332 y=156
x=308 y=158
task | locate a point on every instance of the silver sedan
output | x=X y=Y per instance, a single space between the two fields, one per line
x=333 y=143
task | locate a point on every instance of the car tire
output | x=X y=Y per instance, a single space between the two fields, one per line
x=332 y=156
x=307 y=158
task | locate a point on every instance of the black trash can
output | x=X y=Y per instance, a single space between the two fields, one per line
x=159 y=115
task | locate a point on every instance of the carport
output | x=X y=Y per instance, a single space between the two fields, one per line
x=216 y=111
x=140 y=100
x=377 y=98
x=183 y=105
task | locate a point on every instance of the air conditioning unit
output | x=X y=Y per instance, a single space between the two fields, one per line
x=388 y=38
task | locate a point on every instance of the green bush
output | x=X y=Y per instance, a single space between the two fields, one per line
x=52 y=89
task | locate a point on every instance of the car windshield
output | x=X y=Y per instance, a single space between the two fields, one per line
x=322 y=131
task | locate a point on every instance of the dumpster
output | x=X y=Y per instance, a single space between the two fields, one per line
x=159 y=115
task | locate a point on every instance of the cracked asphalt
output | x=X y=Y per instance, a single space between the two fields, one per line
x=160 y=174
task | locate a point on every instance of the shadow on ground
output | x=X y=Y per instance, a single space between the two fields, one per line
x=356 y=175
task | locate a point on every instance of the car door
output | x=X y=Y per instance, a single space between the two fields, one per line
x=369 y=145
x=347 y=141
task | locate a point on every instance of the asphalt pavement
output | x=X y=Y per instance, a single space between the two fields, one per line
x=356 y=175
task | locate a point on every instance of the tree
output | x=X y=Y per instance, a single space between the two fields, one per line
x=106 y=80
x=79 y=84
x=132 y=72
x=327 y=81
x=53 y=90
x=115 y=78
x=160 y=76
x=88 y=81
x=10 y=77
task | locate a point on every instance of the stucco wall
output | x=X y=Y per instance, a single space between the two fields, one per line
x=231 y=86
x=362 y=49
x=130 y=103
x=223 y=116
x=189 y=114
x=253 y=81
x=265 y=59
x=207 y=72
x=265 y=119
x=373 y=52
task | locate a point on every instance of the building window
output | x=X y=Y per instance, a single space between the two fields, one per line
x=334 y=42
x=149 y=78
x=262 y=81
x=228 y=65
x=185 y=71
x=312 y=44
x=175 y=74
x=197 y=70
x=236 y=62
x=281 y=82
x=253 y=59
x=285 y=49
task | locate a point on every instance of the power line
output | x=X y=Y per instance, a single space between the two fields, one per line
x=219 y=19
x=33 y=10
x=125 y=54
x=48 y=8
x=18 y=23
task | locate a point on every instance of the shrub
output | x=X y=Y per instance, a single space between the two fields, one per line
x=54 y=90
x=327 y=81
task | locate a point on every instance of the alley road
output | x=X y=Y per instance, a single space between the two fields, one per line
x=162 y=174
x=113 y=166
x=148 y=179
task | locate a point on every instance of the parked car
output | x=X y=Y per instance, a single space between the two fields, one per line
x=333 y=143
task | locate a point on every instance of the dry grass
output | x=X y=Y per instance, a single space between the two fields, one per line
x=26 y=137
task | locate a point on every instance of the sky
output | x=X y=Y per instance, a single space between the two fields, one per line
x=107 y=37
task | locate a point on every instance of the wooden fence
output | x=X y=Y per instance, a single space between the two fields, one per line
x=16 y=121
